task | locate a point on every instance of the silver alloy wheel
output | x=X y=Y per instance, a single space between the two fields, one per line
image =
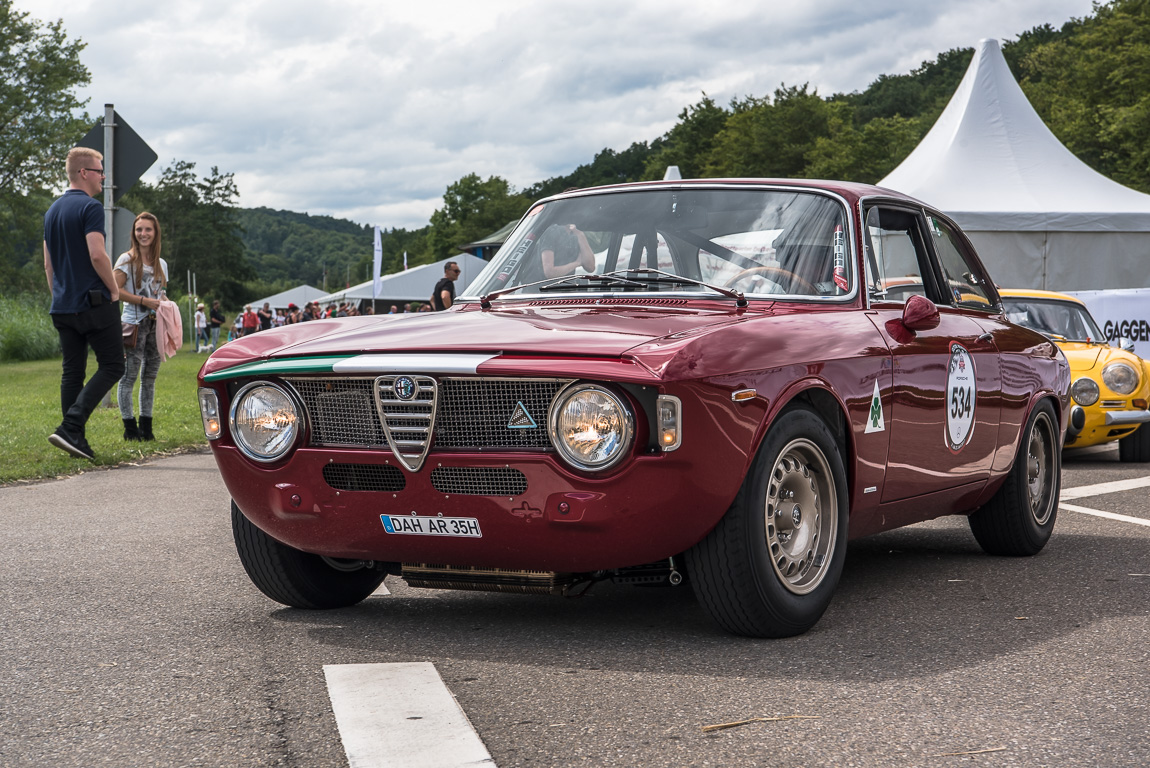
x=1040 y=469
x=801 y=516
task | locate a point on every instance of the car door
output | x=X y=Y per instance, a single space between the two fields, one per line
x=943 y=424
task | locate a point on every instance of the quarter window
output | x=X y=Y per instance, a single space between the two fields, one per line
x=963 y=281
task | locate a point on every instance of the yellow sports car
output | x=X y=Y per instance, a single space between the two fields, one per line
x=1110 y=384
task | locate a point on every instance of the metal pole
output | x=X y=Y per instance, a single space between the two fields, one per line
x=109 y=201
x=109 y=179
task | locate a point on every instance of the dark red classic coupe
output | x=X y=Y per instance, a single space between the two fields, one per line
x=711 y=381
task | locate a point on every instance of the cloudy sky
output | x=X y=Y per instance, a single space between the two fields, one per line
x=367 y=110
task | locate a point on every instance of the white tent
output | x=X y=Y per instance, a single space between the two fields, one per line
x=1039 y=216
x=413 y=284
x=299 y=296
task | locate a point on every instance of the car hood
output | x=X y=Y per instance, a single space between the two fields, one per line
x=570 y=329
x=1081 y=356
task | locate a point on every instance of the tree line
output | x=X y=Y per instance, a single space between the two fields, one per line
x=1089 y=80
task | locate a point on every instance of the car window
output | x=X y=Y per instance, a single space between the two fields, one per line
x=1061 y=319
x=761 y=242
x=965 y=287
x=895 y=255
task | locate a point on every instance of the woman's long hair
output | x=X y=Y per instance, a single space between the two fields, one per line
x=136 y=252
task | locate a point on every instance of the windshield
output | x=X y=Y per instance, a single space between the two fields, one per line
x=764 y=243
x=1053 y=318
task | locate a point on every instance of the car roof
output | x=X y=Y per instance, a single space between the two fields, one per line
x=1034 y=293
x=848 y=189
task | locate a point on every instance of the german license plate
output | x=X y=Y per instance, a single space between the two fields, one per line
x=431 y=526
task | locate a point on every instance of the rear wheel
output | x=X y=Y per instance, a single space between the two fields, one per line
x=300 y=579
x=1019 y=518
x=771 y=565
x=1135 y=447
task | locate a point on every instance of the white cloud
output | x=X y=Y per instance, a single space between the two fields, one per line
x=368 y=110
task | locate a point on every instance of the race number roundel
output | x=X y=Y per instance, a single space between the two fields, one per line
x=960 y=397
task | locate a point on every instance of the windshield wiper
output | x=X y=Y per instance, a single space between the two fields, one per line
x=567 y=283
x=626 y=277
x=638 y=275
x=563 y=283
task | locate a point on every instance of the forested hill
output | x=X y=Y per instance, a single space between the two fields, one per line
x=286 y=248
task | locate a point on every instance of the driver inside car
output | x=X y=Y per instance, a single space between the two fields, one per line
x=563 y=248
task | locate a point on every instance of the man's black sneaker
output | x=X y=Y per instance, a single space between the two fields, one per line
x=66 y=441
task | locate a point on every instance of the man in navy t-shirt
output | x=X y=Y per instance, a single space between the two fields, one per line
x=84 y=295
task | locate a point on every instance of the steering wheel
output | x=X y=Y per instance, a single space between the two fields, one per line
x=791 y=279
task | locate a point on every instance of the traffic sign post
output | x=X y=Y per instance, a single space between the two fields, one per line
x=126 y=157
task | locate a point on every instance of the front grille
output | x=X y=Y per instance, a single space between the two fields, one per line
x=1113 y=403
x=475 y=413
x=479 y=481
x=364 y=477
x=407 y=423
x=341 y=411
x=469 y=413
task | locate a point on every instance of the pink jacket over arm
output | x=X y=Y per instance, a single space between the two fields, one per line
x=169 y=329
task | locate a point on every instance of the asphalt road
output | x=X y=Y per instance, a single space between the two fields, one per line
x=130 y=636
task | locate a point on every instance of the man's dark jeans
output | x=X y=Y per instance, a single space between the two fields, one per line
x=98 y=328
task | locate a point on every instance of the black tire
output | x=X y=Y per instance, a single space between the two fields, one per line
x=1135 y=447
x=300 y=579
x=1019 y=518
x=767 y=570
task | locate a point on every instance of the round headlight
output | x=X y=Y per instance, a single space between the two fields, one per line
x=1084 y=391
x=590 y=426
x=265 y=422
x=1120 y=378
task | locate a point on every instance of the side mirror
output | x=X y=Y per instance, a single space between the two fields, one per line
x=920 y=314
x=1125 y=343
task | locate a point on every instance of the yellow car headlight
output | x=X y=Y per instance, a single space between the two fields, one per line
x=1084 y=391
x=1120 y=378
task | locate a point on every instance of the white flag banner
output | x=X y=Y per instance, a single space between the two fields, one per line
x=377 y=266
x=405 y=261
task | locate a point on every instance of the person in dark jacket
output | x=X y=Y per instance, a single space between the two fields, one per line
x=84 y=296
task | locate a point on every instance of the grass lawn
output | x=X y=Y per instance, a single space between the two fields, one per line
x=30 y=410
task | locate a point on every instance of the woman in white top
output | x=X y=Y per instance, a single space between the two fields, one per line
x=142 y=276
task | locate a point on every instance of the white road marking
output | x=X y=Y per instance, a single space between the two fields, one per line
x=401 y=715
x=1098 y=489
x=1107 y=515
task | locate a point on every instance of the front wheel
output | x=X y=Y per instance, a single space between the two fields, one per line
x=1019 y=518
x=1135 y=447
x=300 y=579
x=771 y=565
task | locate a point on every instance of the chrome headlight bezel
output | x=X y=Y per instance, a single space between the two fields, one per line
x=282 y=447
x=1120 y=378
x=625 y=426
x=1085 y=391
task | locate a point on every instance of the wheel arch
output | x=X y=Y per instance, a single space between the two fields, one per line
x=819 y=397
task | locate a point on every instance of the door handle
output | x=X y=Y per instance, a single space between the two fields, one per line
x=986 y=337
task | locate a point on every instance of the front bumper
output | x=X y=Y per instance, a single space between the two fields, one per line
x=1121 y=418
x=654 y=507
